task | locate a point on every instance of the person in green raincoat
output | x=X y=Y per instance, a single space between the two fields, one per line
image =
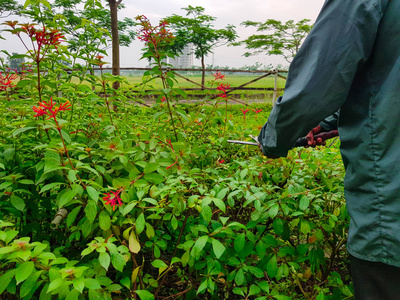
x=350 y=62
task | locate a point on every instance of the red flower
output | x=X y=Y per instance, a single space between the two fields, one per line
x=163 y=99
x=169 y=167
x=170 y=144
x=113 y=198
x=257 y=110
x=218 y=75
x=223 y=88
x=6 y=81
x=221 y=161
x=153 y=35
x=49 y=109
x=244 y=111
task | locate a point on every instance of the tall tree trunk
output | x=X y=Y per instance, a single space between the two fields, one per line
x=203 y=72
x=115 y=39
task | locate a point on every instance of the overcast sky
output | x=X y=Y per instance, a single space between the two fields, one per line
x=226 y=11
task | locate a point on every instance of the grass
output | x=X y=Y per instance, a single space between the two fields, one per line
x=233 y=80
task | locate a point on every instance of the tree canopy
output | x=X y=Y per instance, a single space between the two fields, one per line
x=276 y=38
x=197 y=29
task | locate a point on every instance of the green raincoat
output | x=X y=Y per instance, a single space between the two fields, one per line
x=351 y=61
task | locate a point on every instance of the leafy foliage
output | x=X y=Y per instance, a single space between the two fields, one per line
x=197 y=29
x=280 y=38
x=152 y=202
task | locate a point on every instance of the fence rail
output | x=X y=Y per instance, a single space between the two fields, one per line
x=266 y=73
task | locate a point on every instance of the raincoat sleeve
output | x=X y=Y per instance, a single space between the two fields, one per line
x=322 y=72
x=331 y=122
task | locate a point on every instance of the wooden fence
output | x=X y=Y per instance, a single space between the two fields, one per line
x=265 y=73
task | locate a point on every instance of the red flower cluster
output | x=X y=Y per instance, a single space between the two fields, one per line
x=98 y=61
x=113 y=198
x=223 y=88
x=257 y=110
x=50 y=109
x=26 y=69
x=244 y=111
x=6 y=80
x=153 y=34
x=218 y=75
x=43 y=38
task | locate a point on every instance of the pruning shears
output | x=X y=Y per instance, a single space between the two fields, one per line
x=301 y=142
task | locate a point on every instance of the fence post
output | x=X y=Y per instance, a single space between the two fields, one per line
x=275 y=88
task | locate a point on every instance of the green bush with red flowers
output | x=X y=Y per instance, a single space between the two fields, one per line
x=104 y=198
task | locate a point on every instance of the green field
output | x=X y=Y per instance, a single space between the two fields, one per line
x=232 y=80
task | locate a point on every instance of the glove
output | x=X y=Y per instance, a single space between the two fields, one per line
x=310 y=137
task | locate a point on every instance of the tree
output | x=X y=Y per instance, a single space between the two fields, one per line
x=197 y=29
x=15 y=61
x=121 y=31
x=280 y=38
x=9 y=7
x=115 y=38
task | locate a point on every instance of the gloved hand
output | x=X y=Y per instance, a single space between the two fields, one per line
x=310 y=137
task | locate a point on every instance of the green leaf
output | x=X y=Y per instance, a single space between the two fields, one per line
x=150 y=168
x=24 y=271
x=239 y=278
x=238 y=291
x=202 y=287
x=92 y=284
x=272 y=267
x=104 y=259
x=239 y=242
x=9 y=154
x=79 y=284
x=23 y=129
x=304 y=202
x=218 y=247
x=118 y=261
x=158 y=263
x=140 y=223
x=91 y=210
x=104 y=220
x=17 y=202
x=154 y=178
x=26 y=181
x=264 y=286
x=56 y=283
x=149 y=231
x=5 y=279
x=29 y=283
x=134 y=245
x=72 y=215
x=222 y=193
x=206 y=213
x=50 y=186
x=199 y=245
x=254 y=290
x=219 y=203
x=73 y=295
x=145 y=295
x=67 y=197
x=93 y=193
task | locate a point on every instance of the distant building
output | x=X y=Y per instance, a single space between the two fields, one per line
x=185 y=60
